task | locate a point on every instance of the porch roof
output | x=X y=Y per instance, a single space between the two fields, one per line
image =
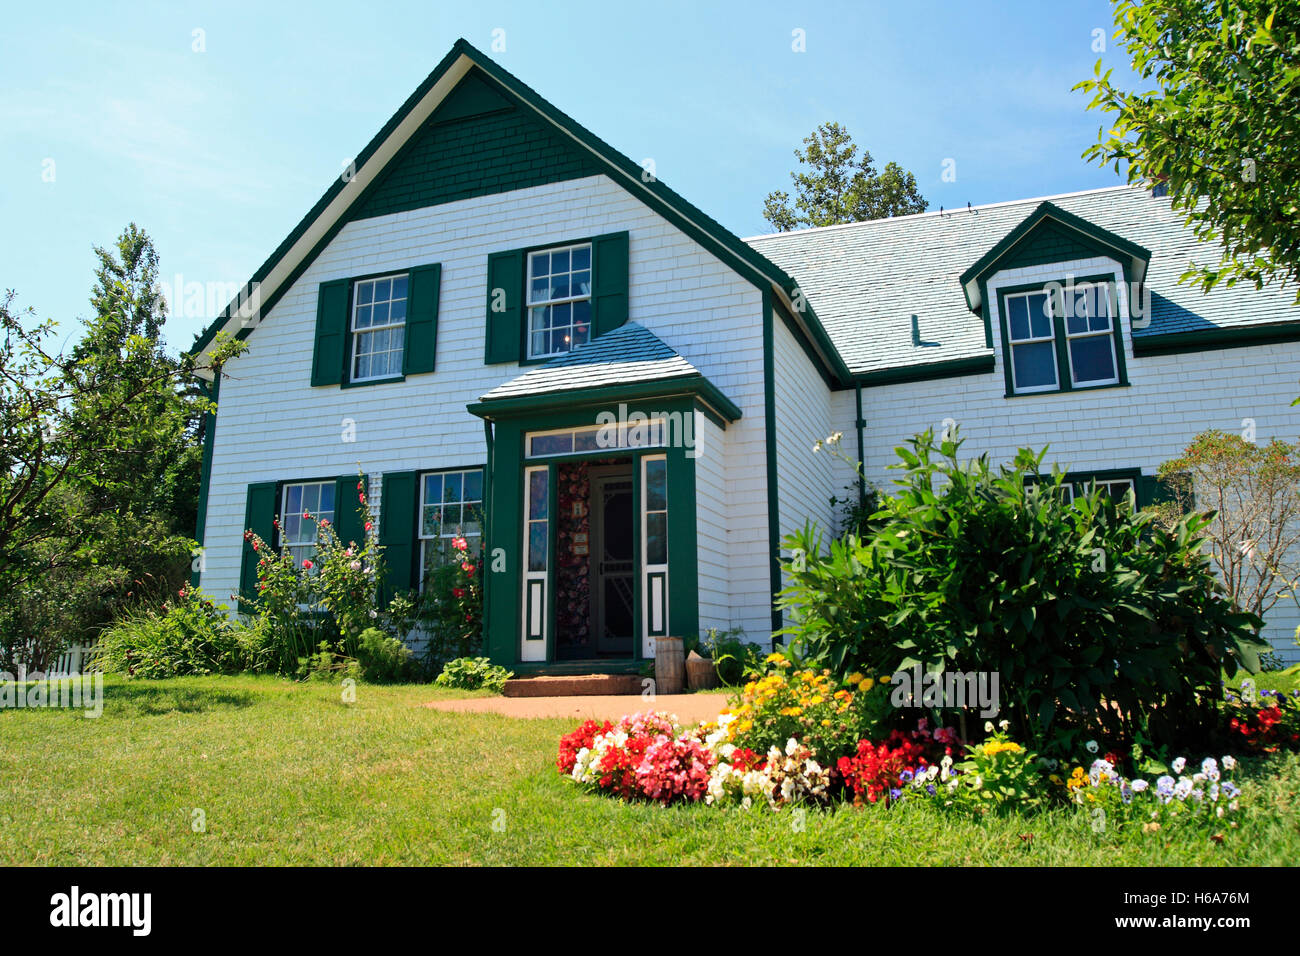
x=630 y=361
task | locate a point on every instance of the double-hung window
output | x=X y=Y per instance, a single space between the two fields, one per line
x=378 y=327
x=1061 y=337
x=451 y=507
x=559 y=300
x=1031 y=340
x=302 y=507
x=1089 y=334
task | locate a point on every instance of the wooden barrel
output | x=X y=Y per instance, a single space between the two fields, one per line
x=669 y=665
x=700 y=674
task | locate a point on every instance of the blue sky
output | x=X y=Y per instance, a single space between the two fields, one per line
x=219 y=153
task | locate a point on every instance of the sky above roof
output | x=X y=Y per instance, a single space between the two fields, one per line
x=216 y=127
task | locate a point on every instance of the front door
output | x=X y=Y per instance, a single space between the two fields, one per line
x=613 y=617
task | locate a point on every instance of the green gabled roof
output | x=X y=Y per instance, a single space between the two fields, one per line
x=869 y=278
x=629 y=361
x=310 y=236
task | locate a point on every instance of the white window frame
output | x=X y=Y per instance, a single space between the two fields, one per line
x=474 y=539
x=534 y=602
x=650 y=433
x=530 y=304
x=295 y=547
x=357 y=334
x=1012 y=342
x=1091 y=334
x=654 y=577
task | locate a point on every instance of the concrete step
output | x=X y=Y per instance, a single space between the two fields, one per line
x=576 y=685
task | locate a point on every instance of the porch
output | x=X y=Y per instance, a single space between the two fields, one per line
x=590 y=547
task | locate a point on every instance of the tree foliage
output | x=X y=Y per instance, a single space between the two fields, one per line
x=1251 y=494
x=838 y=186
x=1220 y=127
x=98 y=460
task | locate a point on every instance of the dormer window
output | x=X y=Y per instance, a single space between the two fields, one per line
x=1061 y=337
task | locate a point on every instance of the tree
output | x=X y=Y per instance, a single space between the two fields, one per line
x=1252 y=493
x=1221 y=129
x=91 y=441
x=839 y=186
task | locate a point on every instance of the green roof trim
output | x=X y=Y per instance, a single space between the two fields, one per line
x=954 y=368
x=702 y=228
x=1205 y=340
x=695 y=385
x=1045 y=210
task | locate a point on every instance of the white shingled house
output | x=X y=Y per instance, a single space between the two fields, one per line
x=526 y=340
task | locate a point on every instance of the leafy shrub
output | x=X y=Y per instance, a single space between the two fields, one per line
x=1002 y=775
x=473 y=673
x=1097 y=621
x=733 y=657
x=191 y=636
x=383 y=659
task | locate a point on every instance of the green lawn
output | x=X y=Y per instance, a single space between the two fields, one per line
x=289 y=774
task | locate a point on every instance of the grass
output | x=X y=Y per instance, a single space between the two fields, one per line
x=288 y=773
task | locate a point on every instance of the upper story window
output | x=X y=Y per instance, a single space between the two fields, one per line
x=559 y=300
x=1061 y=337
x=451 y=507
x=378 y=327
x=302 y=507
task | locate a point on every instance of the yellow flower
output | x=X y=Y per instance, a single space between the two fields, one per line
x=868 y=683
x=854 y=678
x=826 y=723
x=774 y=658
x=884 y=678
x=815 y=701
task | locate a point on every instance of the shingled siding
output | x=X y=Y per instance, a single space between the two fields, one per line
x=1170 y=399
x=475 y=156
x=274 y=426
x=803 y=417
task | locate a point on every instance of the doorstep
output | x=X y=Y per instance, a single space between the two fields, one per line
x=573 y=685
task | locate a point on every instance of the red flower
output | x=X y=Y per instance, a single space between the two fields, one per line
x=368 y=526
x=324 y=522
x=307 y=565
x=458 y=592
x=467 y=568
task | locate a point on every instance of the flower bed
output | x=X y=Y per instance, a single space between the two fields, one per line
x=836 y=750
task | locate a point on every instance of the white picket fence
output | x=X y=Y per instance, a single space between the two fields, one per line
x=75 y=660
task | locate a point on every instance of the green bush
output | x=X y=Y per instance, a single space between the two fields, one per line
x=191 y=636
x=384 y=659
x=733 y=657
x=473 y=673
x=1096 y=621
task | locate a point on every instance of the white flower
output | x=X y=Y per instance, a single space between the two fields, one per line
x=988 y=726
x=1139 y=785
x=791 y=747
x=373 y=614
x=1004 y=724
x=1229 y=763
x=1178 y=764
x=1092 y=746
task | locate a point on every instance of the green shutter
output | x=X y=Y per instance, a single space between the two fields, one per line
x=328 y=356
x=422 y=320
x=349 y=523
x=609 y=280
x=505 y=306
x=259 y=515
x=397 y=530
